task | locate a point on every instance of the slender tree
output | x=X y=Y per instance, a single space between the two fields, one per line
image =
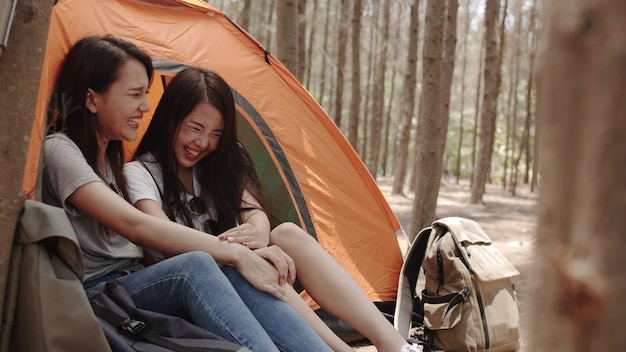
x=325 y=52
x=489 y=105
x=378 y=102
x=532 y=30
x=366 y=104
x=447 y=71
x=287 y=34
x=341 y=61
x=311 y=44
x=408 y=103
x=268 y=24
x=459 y=155
x=511 y=113
x=20 y=71
x=355 y=97
x=302 y=24
x=477 y=108
x=432 y=125
x=578 y=279
x=245 y=15
x=448 y=59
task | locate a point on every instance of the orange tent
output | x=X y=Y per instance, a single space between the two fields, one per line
x=310 y=172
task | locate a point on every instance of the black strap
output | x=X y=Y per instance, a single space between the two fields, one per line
x=139 y=328
x=405 y=305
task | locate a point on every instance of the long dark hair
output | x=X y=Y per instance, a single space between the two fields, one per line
x=225 y=173
x=93 y=62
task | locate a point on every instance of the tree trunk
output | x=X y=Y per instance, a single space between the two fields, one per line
x=459 y=152
x=311 y=42
x=378 y=103
x=578 y=281
x=366 y=104
x=512 y=101
x=447 y=67
x=408 y=103
x=287 y=34
x=302 y=58
x=20 y=71
x=341 y=61
x=432 y=124
x=355 y=97
x=245 y=15
x=266 y=24
x=489 y=105
x=531 y=74
x=323 y=69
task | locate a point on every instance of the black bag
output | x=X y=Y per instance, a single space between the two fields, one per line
x=130 y=329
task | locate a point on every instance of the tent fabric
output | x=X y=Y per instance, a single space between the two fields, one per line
x=311 y=173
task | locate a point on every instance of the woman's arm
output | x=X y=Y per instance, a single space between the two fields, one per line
x=254 y=231
x=281 y=261
x=98 y=201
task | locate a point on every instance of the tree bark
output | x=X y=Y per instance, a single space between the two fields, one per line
x=311 y=43
x=459 y=151
x=489 y=105
x=341 y=61
x=408 y=103
x=245 y=15
x=578 y=280
x=510 y=115
x=355 y=97
x=20 y=72
x=323 y=69
x=378 y=103
x=287 y=34
x=529 y=93
x=302 y=57
x=477 y=108
x=432 y=124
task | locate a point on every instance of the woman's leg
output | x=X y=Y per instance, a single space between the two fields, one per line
x=334 y=289
x=326 y=333
x=193 y=287
x=288 y=330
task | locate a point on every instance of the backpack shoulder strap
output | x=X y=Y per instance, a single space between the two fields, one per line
x=106 y=308
x=408 y=281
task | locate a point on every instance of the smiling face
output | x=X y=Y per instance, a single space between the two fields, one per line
x=119 y=109
x=198 y=135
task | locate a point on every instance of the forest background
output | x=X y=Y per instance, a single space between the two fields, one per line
x=419 y=89
x=500 y=93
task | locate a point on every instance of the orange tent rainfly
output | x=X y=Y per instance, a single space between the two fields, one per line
x=310 y=172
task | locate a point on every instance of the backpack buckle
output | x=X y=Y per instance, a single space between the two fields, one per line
x=135 y=327
x=465 y=292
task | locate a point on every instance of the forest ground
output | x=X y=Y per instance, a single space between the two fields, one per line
x=509 y=221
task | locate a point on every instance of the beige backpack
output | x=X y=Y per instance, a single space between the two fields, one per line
x=45 y=306
x=466 y=301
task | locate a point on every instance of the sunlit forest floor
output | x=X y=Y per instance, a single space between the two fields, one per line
x=509 y=221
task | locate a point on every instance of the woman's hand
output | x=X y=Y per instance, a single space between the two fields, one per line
x=248 y=235
x=263 y=273
x=283 y=263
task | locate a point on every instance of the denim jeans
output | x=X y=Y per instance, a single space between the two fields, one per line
x=192 y=286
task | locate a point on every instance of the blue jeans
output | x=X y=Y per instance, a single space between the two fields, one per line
x=193 y=287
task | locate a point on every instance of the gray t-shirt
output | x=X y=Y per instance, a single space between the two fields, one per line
x=65 y=170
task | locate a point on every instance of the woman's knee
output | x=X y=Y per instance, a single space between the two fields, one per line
x=200 y=262
x=287 y=232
